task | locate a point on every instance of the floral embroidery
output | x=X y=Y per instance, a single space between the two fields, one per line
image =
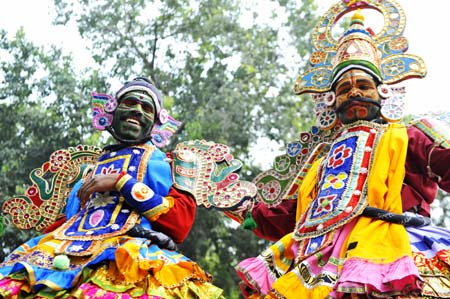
x=335 y=181
x=76 y=248
x=110 y=170
x=293 y=149
x=325 y=203
x=271 y=190
x=101 y=200
x=58 y=159
x=339 y=155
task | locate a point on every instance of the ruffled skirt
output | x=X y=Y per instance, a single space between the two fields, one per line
x=280 y=273
x=124 y=267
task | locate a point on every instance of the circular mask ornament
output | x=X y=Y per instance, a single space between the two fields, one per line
x=329 y=98
x=111 y=105
x=384 y=91
x=326 y=118
x=102 y=120
x=392 y=108
x=163 y=116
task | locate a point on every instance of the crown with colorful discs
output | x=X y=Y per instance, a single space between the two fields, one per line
x=382 y=54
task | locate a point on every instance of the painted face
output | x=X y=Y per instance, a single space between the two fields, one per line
x=134 y=116
x=357 y=97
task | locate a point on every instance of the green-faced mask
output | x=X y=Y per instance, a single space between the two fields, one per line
x=134 y=116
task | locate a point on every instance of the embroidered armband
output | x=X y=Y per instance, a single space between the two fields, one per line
x=436 y=130
x=142 y=198
x=164 y=207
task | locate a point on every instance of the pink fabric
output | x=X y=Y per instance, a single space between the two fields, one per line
x=331 y=251
x=254 y=274
x=381 y=278
x=10 y=286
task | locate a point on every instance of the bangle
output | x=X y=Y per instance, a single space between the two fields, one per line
x=121 y=175
x=118 y=183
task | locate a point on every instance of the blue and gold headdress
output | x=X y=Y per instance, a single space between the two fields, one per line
x=382 y=55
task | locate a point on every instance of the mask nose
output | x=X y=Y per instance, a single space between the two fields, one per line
x=355 y=92
x=137 y=109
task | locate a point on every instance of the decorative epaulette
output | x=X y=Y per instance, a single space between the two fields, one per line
x=288 y=171
x=44 y=201
x=209 y=172
x=437 y=127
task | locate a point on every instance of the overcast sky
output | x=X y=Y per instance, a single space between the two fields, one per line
x=426 y=31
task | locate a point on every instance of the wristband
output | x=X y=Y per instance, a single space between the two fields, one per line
x=142 y=198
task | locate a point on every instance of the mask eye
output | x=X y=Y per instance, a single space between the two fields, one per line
x=342 y=91
x=147 y=108
x=128 y=102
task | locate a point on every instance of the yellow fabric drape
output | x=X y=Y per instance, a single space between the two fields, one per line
x=378 y=241
x=307 y=190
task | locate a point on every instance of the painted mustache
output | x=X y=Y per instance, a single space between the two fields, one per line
x=352 y=101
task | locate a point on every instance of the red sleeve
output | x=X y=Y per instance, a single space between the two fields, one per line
x=55 y=225
x=420 y=189
x=440 y=165
x=275 y=222
x=177 y=222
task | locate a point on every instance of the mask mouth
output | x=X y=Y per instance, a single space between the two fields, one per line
x=355 y=101
x=132 y=120
x=126 y=142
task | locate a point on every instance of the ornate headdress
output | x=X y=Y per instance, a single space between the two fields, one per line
x=380 y=55
x=104 y=106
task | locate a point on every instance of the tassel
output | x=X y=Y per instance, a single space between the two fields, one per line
x=249 y=223
x=61 y=262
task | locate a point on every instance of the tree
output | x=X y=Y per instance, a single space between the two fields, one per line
x=43 y=107
x=225 y=74
x=226 y=79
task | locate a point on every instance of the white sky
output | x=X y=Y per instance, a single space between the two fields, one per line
x=426 y=31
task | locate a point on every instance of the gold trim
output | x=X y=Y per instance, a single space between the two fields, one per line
x=154 y=213
x=122 y=181
x=146 y=155
x=131 y=221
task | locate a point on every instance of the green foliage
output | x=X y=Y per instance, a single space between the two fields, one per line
x=225 y=75
x=226 y=70
x=44 y=107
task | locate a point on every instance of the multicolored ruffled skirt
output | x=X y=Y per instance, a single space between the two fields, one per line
x=124 y=267
x=280 y=273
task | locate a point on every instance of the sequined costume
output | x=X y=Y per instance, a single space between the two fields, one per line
x=429 y=245
x=329 y=244
x=100 y=251
x=104 y=260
